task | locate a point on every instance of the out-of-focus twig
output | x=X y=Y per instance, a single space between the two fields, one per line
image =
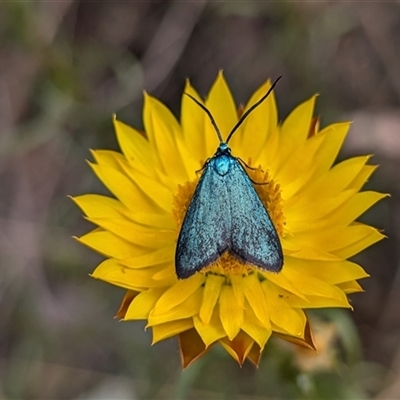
x=170 y=40
x=378 y=22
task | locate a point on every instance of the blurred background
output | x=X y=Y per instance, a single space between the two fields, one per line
x=65 y=67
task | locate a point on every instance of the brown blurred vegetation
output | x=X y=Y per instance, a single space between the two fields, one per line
x=65 y=67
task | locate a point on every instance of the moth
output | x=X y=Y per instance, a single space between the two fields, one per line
x=226 y=214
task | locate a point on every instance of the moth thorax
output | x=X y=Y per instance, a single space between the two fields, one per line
x=222 y=164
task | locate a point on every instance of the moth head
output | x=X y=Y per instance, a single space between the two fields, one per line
x=223 y=148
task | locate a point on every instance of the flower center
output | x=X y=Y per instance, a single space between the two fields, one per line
x=270 y=195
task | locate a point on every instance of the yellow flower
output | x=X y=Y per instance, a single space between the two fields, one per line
x=312 y=204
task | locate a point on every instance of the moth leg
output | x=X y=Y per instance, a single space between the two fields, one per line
x=204 y=165
x=253 y=169
x=258 y=183
x=246 y=165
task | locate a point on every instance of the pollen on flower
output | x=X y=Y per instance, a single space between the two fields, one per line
x=182 y=200
x=227 y=265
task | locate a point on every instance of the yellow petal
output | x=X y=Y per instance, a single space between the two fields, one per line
x=267 y=156
x=95 y=205
x=98 y=206
x=353 y=208
x=169 y=329
x=330 y=272
x=211 y=331
x=110 y=245
x=160 y=221
x=293 y=133
x=296 y=126
x=156 y=189
x=186 y=309
x=253 y=327
x=335 y=135
x=256 y=299
x=125 y=190
x=336 y=238
x=251 y=139
x=113 y=272
x=300 y=250
x=159 y=256
x=165 y=272
x=307 y=341
x=362 y=177
x=369 y=237
x=238 y=284
x=305 y=167
x=281 y=313
x=231 y=315
x=179 y=292
x=193 y=121
x=309 y=284
x=313 y=301
x=143 y=303
x=304 y=213
x=162 y=129
x=282 y=281
x=350 y=287
x=135 y=233
x=337 y=179
x=211 y=293
x=135 y=147
x=222 y=107
x=108 y=158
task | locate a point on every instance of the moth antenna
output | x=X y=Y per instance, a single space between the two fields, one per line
x=255 y=105
x=207 y=111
